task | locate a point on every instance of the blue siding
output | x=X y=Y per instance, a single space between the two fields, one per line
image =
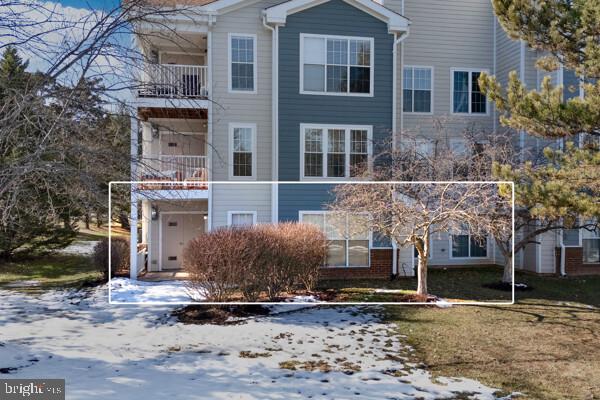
x=332 y=18
x=295 y=197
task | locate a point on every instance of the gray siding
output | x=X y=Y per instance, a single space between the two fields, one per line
x=240 y=197
x=444 y=35
x=332 y=18
x=236 y=107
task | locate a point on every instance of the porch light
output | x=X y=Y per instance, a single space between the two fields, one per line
x=154 y=213
x=205 y=217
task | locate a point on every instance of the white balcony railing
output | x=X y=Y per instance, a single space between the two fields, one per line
x=174 y=81
x=184 y=172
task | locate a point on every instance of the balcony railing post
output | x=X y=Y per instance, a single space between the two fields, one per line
x=175 y=81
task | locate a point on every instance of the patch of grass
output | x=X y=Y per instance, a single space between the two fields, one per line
x=51 y=270
x=95 y=233
x=545 y=346
x=453 y=284
x=250 y=354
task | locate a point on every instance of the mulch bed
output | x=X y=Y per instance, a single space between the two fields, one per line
x=219 y=315
x=507 y=287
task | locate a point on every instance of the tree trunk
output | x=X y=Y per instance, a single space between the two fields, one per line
x=508 y=269
x=87 y=220
x=422 y=275
x=423 y=249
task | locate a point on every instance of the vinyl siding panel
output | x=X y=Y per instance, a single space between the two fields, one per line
x=332 y=18
x=245 y=107
x=302 y=197
x=240 y=197
x=445 y=35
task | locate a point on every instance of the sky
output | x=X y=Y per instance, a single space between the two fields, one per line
x=97 y=4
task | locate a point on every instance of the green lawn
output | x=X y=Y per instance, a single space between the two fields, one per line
x=546 y=345
x=51 y=270
x=457 y=284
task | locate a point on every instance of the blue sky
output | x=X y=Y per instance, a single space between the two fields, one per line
x=97 y=4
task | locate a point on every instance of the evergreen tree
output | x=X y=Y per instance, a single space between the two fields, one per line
x=563 y=191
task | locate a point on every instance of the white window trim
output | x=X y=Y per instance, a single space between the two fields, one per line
x=325 y=93
x=432 y=69
x=470 y=71
x=229 y=61
x=321 y=212
x=487 y=249
x=325 y=127
x=232 y=126
x=230 y=215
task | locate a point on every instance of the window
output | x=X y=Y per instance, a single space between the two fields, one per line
x=417 y=88
x=591 y=246
x=241 y=218
x=348 y=237
x=242 y=144
x=336 y=65
x=242 y=63
x=467 y=97
x=467 y=246
x=335 y=151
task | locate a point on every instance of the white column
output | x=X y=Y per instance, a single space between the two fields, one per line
x=134 y=202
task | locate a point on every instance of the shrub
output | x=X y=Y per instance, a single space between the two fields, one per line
x=119 y=255
x=213 y=262
x=253 y=260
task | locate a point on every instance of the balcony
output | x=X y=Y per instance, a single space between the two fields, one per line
x=173 y=81
x=174 y=172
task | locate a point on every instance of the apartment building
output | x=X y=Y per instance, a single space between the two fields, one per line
x=254 y=107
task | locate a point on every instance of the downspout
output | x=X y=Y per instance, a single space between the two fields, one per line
x=274 y=120
x=397 y=41
x=563 y=271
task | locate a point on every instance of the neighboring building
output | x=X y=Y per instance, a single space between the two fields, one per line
x=259 y=91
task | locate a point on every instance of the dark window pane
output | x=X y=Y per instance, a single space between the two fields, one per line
x=460 y=246
x=242 y=164
x=313 y=164
x=478 y=247
x=337 y=79
x=336 y=164
x=461 y=92
x=360 y=80
x=358 y=164
x=407 y=101
x=242 y=76
x=422 y=101
x=478 y=100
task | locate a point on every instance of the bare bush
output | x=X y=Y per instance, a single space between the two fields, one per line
x=119 y=256
x=212 y=261
x=267 y=259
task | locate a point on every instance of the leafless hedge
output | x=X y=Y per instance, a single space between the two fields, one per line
x=269 y=259
x=119 y=255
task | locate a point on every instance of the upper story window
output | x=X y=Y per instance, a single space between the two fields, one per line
x=242 y=151
x=242 y=63
x=336 y=65
x=417 y=88
x=330 y=151
x=467 y=97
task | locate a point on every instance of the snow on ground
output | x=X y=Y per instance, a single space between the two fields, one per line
x=124 y=290
x=139 y=352
x=83 y=248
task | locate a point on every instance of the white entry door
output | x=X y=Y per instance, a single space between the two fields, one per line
x=177 y=231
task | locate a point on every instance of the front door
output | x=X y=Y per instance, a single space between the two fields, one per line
x=177 y=231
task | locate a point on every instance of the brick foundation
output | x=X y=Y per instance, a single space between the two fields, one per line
x=381 y=268
x=574 y=262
